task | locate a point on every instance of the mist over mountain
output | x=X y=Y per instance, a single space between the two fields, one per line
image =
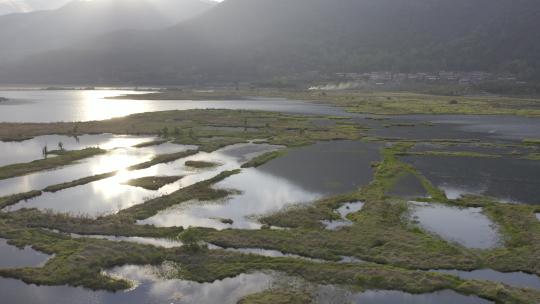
x=35 y=32
x=258 y=39
x=24 y=6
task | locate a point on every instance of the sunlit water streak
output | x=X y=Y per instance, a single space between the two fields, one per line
x=29 y=150
x=112 y=194
x=116 y=159
x=87 y=105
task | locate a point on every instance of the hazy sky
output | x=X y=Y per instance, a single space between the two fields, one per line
x=18 y=6
x=14 y=6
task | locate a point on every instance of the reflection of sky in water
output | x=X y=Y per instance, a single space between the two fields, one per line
x=518 y=279
x=163 y=242
x=13 y=257
x=111 y=194
x=229 y=290
x=267 y=189
x=343 y=211
x=113 y=160
x=466 y=226
x=261 y=193
x=456 y=192
x=151 y=290
x=538 y=216
x=54 y=106
x=483 y=126
x=29 y=150
x=507 y=179
x=327 y=167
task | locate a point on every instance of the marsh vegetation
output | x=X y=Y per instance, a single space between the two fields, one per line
x=287 y=194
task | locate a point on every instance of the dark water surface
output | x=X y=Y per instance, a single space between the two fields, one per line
x=507 y=179
x=13 y=257
x=328 y=167
x=518 y=279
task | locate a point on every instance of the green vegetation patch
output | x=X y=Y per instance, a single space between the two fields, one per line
x=451 y=154
x=64 y=159
x=201 y=164
x=532 y=141
x=163 y=158
x=187 y=127
x=278 y=296
x=380 y=103
x=13 y=199
x=153 y=182
x=151 y=143
x=263 y=159
x=396 y=252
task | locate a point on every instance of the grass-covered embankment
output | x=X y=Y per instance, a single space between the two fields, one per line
x=201 y=164
x=123 y=223
x=79 y=262
x=63 y=159
x=6 y=201
x=191 y=127
x=381 y=233
x=278 y=296
x=263 y=159
x=159 y=159
x=380 y=103
x=153 y=182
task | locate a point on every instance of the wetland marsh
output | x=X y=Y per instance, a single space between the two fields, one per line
x=261 y=200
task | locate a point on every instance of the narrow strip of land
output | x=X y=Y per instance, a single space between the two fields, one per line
x=63 y=159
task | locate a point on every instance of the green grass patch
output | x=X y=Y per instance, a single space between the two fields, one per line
x=14 y=199
x=151 y=143
x=379 y=103
x=278 y=296
x=153 y=182
x=263 y=159
x=532 y=141
x=200 y=164
x=64 y=159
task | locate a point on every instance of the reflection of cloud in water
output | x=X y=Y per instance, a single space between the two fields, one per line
x=113 y=160
x=178 y=291
x=456 y=192
x=54 y=106
x=151 y=290
x=29 y=150
x=111 y=194
x=261 y=193
x=466 y=226
x=13 y=257
x=343 y=211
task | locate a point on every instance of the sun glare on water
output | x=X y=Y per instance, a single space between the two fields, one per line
x=95 y=106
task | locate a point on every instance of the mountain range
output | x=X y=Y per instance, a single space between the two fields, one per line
x=31 y=33
x=259 y=39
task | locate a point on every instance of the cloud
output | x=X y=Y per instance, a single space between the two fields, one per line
x=14 y=6
x=21 y=6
